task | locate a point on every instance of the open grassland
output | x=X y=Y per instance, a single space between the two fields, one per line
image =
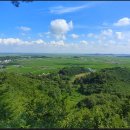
x=53 y=64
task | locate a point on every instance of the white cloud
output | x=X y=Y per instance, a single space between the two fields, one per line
x=123 y=22
x=107 y=32
x=11 y=41
x=62 y=10
x=110 y=37
x=24 y=28
x=83 y=42
x=60 y=27
x=57 y=43
x=105 y=41
x=119 y=35
x=45 y=34
x=39 y=41
x=17 y=41
x=74 y=36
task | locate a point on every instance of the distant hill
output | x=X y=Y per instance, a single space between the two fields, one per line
x=109 y=79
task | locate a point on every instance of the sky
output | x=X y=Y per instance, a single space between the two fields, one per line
x=65 y=27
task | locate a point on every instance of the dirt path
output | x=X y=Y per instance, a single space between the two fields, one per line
x=78 y=76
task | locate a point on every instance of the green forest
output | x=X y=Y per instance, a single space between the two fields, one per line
x=72 y=97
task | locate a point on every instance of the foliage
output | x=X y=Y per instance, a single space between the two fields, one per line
x=61 y=100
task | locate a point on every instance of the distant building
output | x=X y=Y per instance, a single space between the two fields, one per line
x=5 y=61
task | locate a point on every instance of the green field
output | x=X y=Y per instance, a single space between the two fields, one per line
x=53 y=64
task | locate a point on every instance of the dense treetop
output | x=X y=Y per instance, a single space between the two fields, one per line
x=65 y=99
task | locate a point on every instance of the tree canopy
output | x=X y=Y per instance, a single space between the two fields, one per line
x=61 y=100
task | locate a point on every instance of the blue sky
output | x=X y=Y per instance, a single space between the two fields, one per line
x=65 y=27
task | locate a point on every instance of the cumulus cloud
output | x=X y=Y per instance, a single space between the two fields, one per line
x=39 y=41
x=11 y=41
x=123 y=22
x=57 y=43
x=74 y=36
x=17 y=41
x=83 y=42
x=109 y=37
x=105 y=41
x=108 y=45
x=60 y=27
x=107 y=32
x=24 y=28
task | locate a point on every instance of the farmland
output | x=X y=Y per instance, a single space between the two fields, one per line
x=53 y=63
